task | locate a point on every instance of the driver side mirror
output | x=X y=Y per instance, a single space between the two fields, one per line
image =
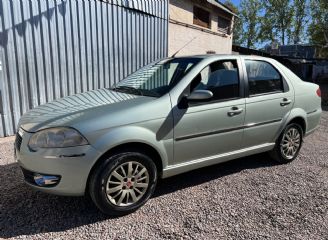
x=195 y=96
x=200 y=95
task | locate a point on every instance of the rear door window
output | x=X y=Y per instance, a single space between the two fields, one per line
x=263 y=78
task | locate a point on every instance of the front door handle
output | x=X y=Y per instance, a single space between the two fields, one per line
x=285 y=102
x=235 y=111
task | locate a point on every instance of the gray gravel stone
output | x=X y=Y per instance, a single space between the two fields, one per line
x=248 y=198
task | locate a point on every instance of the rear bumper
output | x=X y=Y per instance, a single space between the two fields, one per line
x=310 y=132
x=71 y=165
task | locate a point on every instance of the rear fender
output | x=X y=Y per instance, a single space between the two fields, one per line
x=294 y=113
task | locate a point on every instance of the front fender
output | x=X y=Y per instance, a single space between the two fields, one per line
x=131 y=134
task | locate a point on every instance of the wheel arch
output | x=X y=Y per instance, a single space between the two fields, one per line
x=300 y=121
x=137 y=138
x=296 y=115
x=141 y=147
x=299 y=116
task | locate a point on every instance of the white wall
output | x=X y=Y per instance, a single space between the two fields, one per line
x=182 y=30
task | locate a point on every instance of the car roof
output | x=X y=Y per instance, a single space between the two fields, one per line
x=223 y=56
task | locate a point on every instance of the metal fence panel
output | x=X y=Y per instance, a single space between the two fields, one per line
x=53 y=48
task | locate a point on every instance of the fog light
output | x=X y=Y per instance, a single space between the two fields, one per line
x=45 y=180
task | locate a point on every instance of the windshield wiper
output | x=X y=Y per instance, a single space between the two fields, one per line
x=128 y=89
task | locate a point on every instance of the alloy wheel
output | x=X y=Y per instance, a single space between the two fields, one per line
x=127 y=184
x=290 y=143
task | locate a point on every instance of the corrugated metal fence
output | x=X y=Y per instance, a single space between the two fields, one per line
x=53 y=48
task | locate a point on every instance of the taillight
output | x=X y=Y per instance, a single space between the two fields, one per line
x=319 y=92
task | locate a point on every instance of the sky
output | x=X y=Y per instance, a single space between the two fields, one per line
x=236 y=2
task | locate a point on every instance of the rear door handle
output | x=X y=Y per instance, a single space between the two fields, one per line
x=285 y=102
x=235 y=111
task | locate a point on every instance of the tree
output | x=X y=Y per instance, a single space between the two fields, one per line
x=250 y=18
x=237 y=25
x=277 y=20
x=318 y=29
x=300 y=20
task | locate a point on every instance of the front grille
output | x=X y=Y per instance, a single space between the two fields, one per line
x=18 y=141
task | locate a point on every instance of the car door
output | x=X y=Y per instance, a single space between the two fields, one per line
x=269 y=101
x=206 y=129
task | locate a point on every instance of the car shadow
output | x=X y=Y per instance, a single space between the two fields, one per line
x=203 y=175
x=24 y=211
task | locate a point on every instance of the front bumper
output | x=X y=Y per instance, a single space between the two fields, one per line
x=72 y=165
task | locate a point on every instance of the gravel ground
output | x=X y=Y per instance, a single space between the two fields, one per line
x=249 y=198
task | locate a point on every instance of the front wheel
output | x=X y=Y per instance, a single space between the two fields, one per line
x=288 y=144
x=123 y=183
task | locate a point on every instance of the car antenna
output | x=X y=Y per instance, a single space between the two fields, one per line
x=183 y=47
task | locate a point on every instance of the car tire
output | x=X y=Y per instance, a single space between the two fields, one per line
x=288 y=145
x=116 y=190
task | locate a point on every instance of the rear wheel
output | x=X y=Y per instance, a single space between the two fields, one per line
x=123 y=183
x=288 y=144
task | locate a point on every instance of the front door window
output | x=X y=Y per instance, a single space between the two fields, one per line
x=221 y=78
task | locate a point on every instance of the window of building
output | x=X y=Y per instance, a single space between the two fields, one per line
x=263 y=78
x=221 y=78
x=224 y=25
x=201 y=17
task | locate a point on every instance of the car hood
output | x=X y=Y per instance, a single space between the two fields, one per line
x=72 y=110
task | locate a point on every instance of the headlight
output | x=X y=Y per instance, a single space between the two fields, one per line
x=56 y=138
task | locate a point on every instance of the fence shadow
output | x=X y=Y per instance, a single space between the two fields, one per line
x=24 y=211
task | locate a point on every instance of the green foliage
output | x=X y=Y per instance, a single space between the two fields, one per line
x=249 y=22
x=277 y=20
x=250 y=17
x=300 y=20
x=237 y=26
x=247 y=26
x=283 y=21
x=318 y=28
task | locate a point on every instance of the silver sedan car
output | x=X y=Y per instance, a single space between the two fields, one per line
x=169 y=117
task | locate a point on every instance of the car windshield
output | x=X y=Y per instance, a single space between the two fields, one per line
x=158 y=78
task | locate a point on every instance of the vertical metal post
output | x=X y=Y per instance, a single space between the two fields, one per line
x=1 y=102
